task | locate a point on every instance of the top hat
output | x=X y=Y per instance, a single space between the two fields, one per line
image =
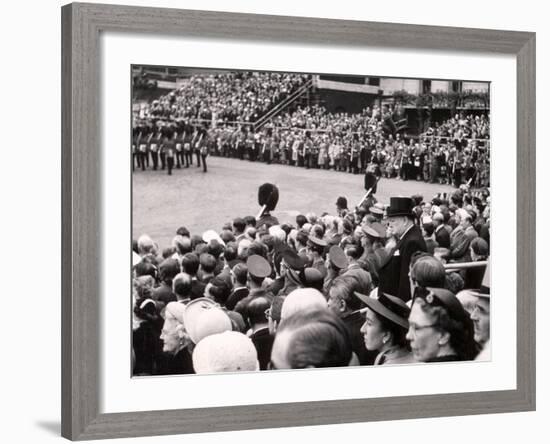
x=485 y=289
x=400 y=206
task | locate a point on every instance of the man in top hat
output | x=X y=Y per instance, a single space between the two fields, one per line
x=393 y=273
x=316 y=252
x=268 y=197
x=481 y=315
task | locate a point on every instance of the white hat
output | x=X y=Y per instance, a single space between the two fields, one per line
x=203 y=317
x=210 y=235
x=229 y=351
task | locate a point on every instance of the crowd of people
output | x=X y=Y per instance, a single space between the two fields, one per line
x=236 y=97
x=454 y=151
x=374 y=285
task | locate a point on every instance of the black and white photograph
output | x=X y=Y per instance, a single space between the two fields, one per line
x=287 y=220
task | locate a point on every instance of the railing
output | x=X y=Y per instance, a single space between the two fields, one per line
x=282 y=105
x=456 y=266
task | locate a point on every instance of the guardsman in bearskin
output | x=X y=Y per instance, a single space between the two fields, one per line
x=178 y=139
x=162 y=153
x=142 y=149
x=168 y=150
x=268 y=197
x=154 y=146
x=187 y=150
x=135 y=155
x=198 y=137
x=372 y=174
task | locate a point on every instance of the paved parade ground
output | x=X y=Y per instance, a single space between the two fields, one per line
x=202 y=201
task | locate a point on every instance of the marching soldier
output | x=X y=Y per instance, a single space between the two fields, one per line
x=142 y=150
x=135 y=155
x=168 y=151
x=178 y=139
x=187 y=139
x=154 y=144
x=196 y=144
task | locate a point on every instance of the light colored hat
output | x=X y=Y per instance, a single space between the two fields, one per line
x=203 y=317
x=210 y=235
x=176 y=310
x=229 y=351
x=303 y=299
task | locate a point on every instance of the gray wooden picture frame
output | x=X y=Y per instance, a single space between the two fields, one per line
x=81 y=251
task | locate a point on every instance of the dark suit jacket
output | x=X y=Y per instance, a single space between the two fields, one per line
x=197 y=289
x=443 y=238
x=235 y=297
x=394 y=274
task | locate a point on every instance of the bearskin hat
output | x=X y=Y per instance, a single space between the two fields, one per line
x=268 y=194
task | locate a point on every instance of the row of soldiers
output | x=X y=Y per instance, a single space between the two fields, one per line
x=166 y=148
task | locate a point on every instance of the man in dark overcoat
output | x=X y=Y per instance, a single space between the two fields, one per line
x=393 y=275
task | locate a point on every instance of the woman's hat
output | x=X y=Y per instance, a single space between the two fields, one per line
x=390 y=307
x=400 y=206
x=443 y=298
x=203 y=317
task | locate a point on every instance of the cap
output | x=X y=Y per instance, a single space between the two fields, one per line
x=337 y=257
x=312 y=278
x=316 y=241
x=390 y=307
x=292 y=259
x=258 y=266
x=377 y=211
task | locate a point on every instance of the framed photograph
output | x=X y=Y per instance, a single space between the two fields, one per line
x=292 y=221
